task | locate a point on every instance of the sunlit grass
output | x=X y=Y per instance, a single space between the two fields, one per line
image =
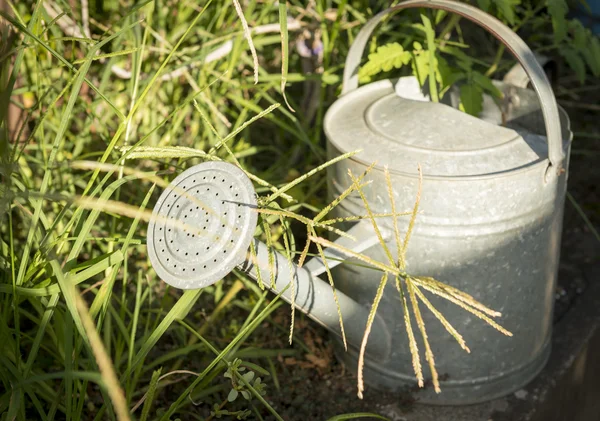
x=107 y=118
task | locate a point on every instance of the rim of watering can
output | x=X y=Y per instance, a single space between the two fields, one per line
x=513 y=43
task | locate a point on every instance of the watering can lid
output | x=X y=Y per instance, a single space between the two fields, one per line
x=400 y=133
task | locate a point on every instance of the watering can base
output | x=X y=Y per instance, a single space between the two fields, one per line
x=454 y=392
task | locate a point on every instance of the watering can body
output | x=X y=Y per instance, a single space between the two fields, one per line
x=489 y=224
x=490 y=218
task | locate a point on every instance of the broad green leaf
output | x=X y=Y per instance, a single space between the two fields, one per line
x=431 y=57
x=507 y=9
x=420 y=66
x=386 y=58
x=233 y=394
x=486 y=84
x=575 y=62
x=248 y=376
x=447 y=75
x=484 y=4
x=471 y=99
x=592 y=55
x=580 y=36
x=558 y=10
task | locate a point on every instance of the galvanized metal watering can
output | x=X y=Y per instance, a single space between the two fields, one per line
x=490 y=223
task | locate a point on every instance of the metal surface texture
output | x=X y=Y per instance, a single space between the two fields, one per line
x=490 y=216
x=202 y=225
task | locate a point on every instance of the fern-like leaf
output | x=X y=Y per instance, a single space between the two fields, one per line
x=387 y=57
x=558 y=10
x=575 y=62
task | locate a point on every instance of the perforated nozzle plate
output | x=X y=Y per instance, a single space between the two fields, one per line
x=202 y=225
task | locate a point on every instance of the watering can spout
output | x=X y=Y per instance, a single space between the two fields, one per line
x=315 y=297
x=202 y=227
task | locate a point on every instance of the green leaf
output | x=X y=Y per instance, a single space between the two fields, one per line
x=248 y=376
x=150 y=394
x=162 y=152
x=471 y=99
x=246 y=395
x=592 y=55
x=431 y=57
x=233 y=394
x=507 y=9
x=386 y=58
x=420 y=66
x=587 y=45
x=484 y=4
x=575 y=62
x=486 y=84
x=447 y=75
x=580 y=36
x=558 y=10
x=284 y=48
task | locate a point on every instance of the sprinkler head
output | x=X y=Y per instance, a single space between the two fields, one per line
x=202 y=225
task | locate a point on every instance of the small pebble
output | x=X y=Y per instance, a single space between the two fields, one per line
x=521 y=394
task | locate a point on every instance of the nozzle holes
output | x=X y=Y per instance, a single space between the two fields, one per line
x=197 y=253
x=186 y=254
x=204 y=266
x=193 y=269
x=224 y=251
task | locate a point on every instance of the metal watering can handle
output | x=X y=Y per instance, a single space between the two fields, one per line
x=512 y=41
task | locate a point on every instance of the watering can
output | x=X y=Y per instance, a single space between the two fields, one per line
x=489 y=224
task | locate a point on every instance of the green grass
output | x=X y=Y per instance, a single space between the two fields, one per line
x=99 y=111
